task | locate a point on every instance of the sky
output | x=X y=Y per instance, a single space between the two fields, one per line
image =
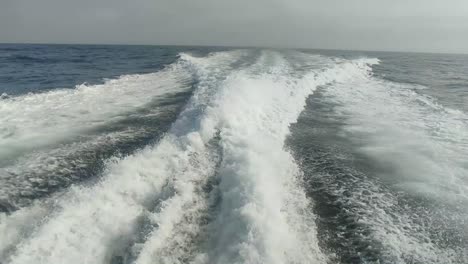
x=389 y=25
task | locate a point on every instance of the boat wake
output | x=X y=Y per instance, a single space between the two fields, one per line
x=186 y=165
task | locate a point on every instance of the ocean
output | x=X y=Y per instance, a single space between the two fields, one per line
x=166 y=154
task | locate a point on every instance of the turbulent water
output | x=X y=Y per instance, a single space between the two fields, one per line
x=121 y=154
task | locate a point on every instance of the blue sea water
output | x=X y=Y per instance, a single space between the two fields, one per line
x=34 y=68
x=166 y=154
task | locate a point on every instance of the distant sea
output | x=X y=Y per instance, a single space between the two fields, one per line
x=168 y=154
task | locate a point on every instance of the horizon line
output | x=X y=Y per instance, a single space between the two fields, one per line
x=236 y=46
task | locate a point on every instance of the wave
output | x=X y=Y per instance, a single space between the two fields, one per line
x=44 y=171
x=53 y=139
x=37 y=120
x=256 y=211
x=119 y=200
x=263 y=215
x=418 y=147
x=219 y=187
x=31 y=59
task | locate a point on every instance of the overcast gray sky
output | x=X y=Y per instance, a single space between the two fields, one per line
x=407 y=25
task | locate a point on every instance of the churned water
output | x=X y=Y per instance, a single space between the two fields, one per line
x=147 y=154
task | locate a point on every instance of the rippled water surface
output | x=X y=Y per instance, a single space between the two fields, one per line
x=143 y=154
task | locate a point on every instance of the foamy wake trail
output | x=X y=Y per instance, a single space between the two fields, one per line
x=219 y=188
x=89 y=225
x=423 y=146
x=263 y=215
x=50 y=140
x=33 y=121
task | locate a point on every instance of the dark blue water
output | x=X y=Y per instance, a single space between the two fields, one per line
x=442 y=75
x=34 y=68
x=165 y=154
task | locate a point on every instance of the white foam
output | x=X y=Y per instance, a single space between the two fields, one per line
x=423 y=146
x=32 y=121
x=89 y=225
x=426 y=141
x=18 y=226
x=39 y=131
x=264 y=215
x=34 y=172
